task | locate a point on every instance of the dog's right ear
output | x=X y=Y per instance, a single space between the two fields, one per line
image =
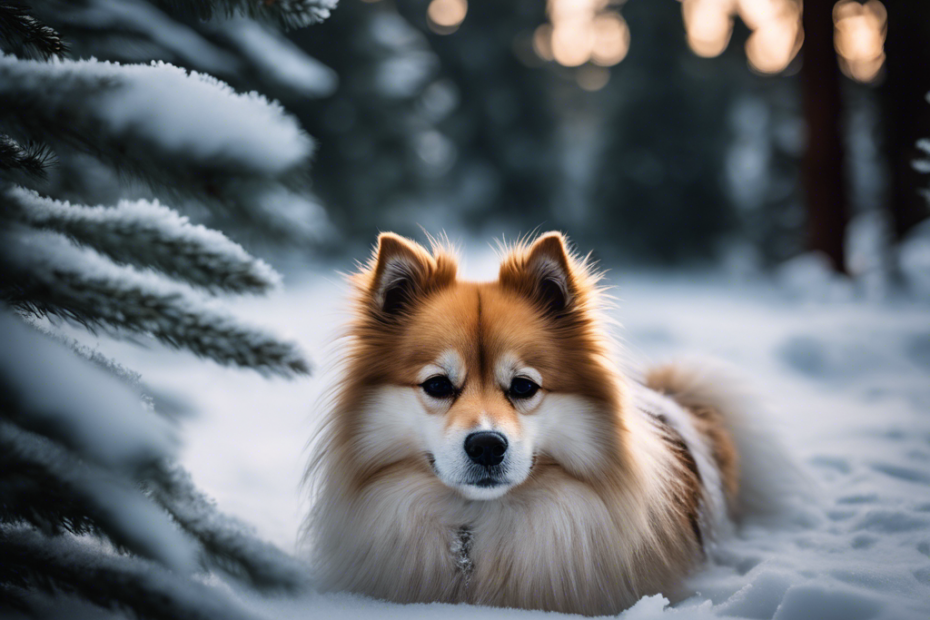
x=402 y=272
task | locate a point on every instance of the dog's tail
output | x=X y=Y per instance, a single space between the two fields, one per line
x=768 y=478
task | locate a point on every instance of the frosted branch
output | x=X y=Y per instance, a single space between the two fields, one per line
x=46 y=389
x=286 y=13
x=230 y=544
x=46 y=274
x=24 y=35
x=77 y=566
x=148 y=234
x=32 y=159
x=42 y=480
x=200 y=140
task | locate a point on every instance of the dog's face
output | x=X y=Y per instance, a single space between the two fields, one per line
x=481 y=380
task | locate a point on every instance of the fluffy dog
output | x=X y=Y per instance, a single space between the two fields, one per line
x=484 y=447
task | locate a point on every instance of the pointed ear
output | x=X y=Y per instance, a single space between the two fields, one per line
x=545 y=272
x=402 y=271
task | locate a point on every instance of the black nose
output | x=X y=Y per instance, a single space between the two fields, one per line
x=486 y=448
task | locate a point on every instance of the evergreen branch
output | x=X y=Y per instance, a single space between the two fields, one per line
x=75 y=566
x=44 y=484
x=24 y=35
x=129 y=377
x=33 y=159
x=148 y=234
x=103 y=29
x=45 y=274
x=46 y=389
x=201 y=141
x=230 y=544
x=285 y=13
x=273 y=59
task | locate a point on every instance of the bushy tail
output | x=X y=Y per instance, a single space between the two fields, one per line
x=768 y=479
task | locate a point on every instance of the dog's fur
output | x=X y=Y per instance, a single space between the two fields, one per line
x=609 y=490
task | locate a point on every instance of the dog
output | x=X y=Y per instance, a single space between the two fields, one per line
x=484 y=447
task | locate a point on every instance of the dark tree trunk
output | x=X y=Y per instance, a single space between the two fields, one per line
x=906 y=111
x=824 y=182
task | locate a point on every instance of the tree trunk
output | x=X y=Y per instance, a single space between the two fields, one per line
x=823 y=174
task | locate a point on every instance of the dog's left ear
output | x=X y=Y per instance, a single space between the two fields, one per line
x=546 y=272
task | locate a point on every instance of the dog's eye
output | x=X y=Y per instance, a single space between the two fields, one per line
x=523 y=388
x=438 y=387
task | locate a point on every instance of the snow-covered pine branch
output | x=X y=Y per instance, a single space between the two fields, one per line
x=45 y=485
x=230 y=544
x=46 y=274
x=78 y=567
x=100 y=29
x=277 y=61
x=23 y=35
x=89 y=490
x=148 y=234
x=205 y=140
x=286 y=13
x=44 y=388
x=31 y=160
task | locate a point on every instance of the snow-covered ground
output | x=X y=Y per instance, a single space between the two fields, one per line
x=848 y=384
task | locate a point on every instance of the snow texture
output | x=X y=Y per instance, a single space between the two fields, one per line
x=148 y=234
x=186 y=123
x=848 y=384
x=77 y=283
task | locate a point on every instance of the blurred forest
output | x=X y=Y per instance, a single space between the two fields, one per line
x=659 y=132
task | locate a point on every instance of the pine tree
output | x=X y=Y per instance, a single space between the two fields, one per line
x=94 y=510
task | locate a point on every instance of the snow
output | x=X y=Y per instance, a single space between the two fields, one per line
x=199 y=115
x=141 y=18
x=184 y=115
x=80 y=283
x=847 y=381
x=114 y=502
x=149 y=234
x=85 y=407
